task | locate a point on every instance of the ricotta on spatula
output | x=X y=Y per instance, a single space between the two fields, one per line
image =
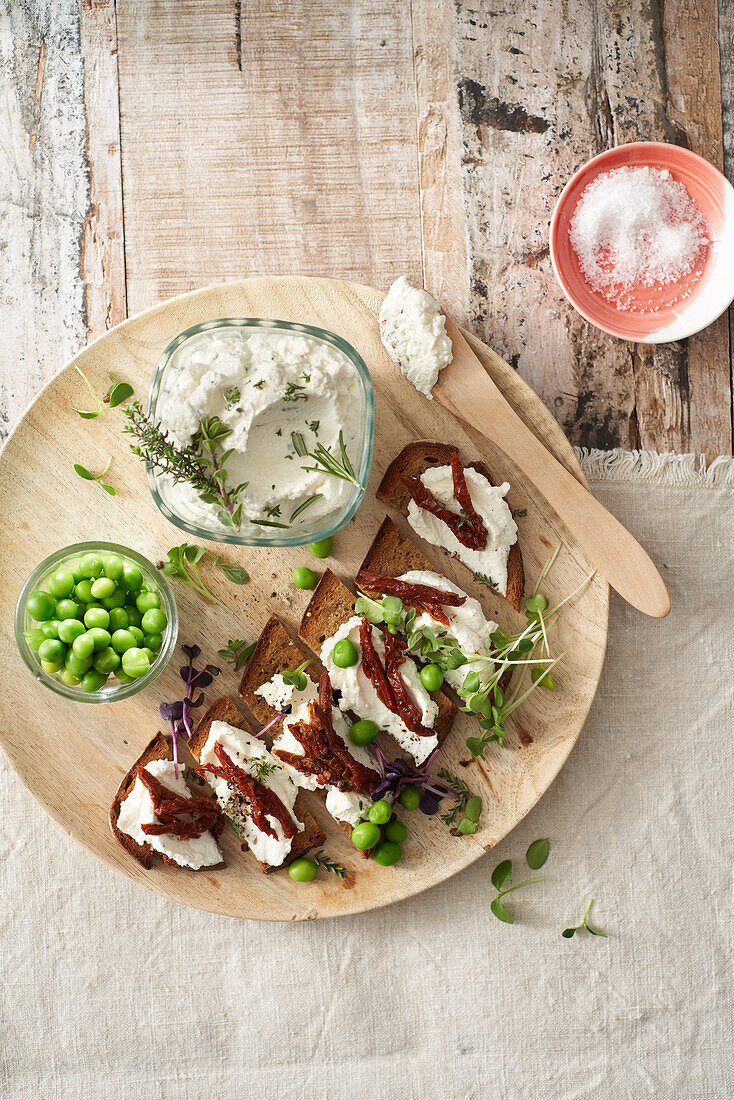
x=413 y=331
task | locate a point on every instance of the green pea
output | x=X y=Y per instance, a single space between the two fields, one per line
x=153 y=641
x=431 y=677
x=41 y=606
x=83 y=591
x=303 y=577
x=119 y=619
x=303 y=870
x=148 y=653
x=52 y=650
x=395 y=831
x=410 y=798
x=50 y=629
x=34 y=637
x=114 y=567
x=147 y=600
x=117 y=599
x=131 y=579
x=123 y=677
x=122 y=640
x=473 y=808
x=154 y=621
x=93 y=680
x=344 y=654
x=365 y=835
x=70 y=629
x=101 y=637
x=380 y=812
x=77 y=575
x=77 y=666
x=137 y=634
x=51 y=666
x=135 y=662
x=96 y=616
x=90 y=565
x=69 y=678
x=60 y=584
x=67 y=609
x=106 y=661
x=471 y=683
x=83 y=646
x=363 y=732
x=387 y=853
x=133 y=615
x=322 y=548
x=102 y=588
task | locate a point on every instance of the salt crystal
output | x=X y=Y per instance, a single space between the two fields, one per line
x=636 y=227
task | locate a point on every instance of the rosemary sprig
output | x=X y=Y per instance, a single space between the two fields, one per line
x=325 y=461
x=306 y=504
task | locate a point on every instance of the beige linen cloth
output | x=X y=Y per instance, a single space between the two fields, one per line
x=111 y=991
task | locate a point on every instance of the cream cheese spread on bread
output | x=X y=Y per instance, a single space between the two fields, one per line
x=413 y=331
x=358 y=693
x=242 y=748
x=137 y=810
x=489 y=501
x=342 y=805
x=468 y=625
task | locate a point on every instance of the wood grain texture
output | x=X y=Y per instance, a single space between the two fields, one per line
x=559 y=84
x=72 y=756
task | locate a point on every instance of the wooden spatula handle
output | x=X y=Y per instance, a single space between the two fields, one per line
x=465 y=388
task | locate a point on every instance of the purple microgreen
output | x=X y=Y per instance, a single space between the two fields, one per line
x=396 y=774
x=281 y=714
x=178 y=713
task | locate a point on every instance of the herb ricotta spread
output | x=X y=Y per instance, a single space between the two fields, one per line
x=413 y=330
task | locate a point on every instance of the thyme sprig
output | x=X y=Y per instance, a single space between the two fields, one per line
x=326 y=462
x=328 y=864
x=260 y=768
x=467 y=806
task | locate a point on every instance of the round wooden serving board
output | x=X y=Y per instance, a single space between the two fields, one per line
x=72 y=756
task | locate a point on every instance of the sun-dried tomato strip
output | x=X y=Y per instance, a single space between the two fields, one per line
x=372 y=668
x=423 y=597
x=263 y=800
x=408 y=711
x=326 y=755
x=466 y=525
x=186 y=818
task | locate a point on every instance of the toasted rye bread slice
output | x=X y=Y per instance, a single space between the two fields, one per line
x=412 y=461
x=157 y=749
x=331 y=605
x=275 y=652
x=392 y=553
x=225 y=710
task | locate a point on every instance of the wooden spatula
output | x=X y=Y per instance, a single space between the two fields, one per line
x=466 y=390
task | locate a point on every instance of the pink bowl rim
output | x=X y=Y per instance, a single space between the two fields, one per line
x=651 y=147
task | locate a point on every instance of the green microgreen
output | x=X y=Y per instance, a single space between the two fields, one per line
x=183 y=562
x=86 y=475
x=467 y=806
x=568 y=933
x=328 y=864
x=237 y=652
x=233 y=572
x=500 y=875
x=537 y=853
x=114 y=396
x=326 y=462
x=297 y=676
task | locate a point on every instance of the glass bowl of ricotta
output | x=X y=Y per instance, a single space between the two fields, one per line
x=286 y=410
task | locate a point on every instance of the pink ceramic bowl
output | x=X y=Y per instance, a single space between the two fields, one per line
x=659 y=313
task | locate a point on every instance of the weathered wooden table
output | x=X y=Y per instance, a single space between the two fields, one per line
x=153 y=146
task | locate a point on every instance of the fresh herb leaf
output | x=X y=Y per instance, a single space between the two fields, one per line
x=119 y=392
x=233 y=572
x=521 y=512
x=568 y=933
x=231 y=397
x=501 y=913
x=537 y=853
x=297 y=676
x=86 y=475
x=237 y=652
x=314 y=426
x=500 y=875
x=306 y=504
x=85 y=415
x=115 y=395
x=183 y=562
x=328 y=864
x=329 y=463
x=467 y=806
x=481 y=579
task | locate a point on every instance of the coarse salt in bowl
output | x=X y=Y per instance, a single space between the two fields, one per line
x=682 y=280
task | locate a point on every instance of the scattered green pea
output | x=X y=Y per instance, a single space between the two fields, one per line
x=363 y=732
x=380 y=812
x=395 y=831
x=303 y=870
x=410 y=798
x=41 y=606
x=344 y=654
x=96 y=616
x=365 y=835
x=303 y=577
x=431 y=677
x=387 y=853
x=322 y=548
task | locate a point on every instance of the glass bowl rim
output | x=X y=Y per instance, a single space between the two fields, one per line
x=74 y=692
x=342 y=518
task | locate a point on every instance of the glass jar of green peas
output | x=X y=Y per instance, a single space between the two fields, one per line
x=96 y=622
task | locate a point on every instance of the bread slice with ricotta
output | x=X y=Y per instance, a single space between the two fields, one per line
x=157 y=749
x=329 y=609
x=414 y=459
x=274 y=652
x=311 y=836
